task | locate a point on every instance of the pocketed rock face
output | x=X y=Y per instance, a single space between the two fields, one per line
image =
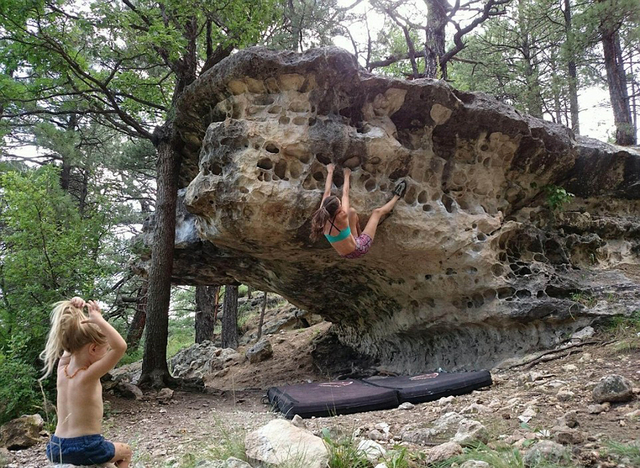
x=470 y=268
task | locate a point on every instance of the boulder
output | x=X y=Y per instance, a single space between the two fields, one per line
x=613 y=388
x=201 y=359
x=470 y=433
x=280 y=442
x=545 y=451
x=370 y=449
x=259 y=352
x=21 y=433
x=442 y=452
x=474 y=265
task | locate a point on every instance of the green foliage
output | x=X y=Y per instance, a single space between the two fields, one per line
x=231 y=444
x=344 y=453
x=502 y=457
x=556 y=197
x=49 y=253
x=17 y=388
x=625 y=331
x=628 y=454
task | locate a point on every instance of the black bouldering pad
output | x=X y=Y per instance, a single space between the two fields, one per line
x=433 y=386
x=331 y=398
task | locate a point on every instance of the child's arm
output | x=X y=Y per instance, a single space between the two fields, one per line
x=116 y=343
x=328 y=182
x=345 y=190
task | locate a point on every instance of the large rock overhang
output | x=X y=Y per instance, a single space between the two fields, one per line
x=470 y=268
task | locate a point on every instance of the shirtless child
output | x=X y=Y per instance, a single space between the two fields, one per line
x=88 y=347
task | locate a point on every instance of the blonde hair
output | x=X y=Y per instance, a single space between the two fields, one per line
x=68 y=333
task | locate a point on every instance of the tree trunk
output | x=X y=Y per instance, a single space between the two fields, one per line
x=617 y=82
x=230 y=317
x=205 y=303
x=154 y=363
x=139 y=318
x=264 y=309
x=573 y=70
x=435 y=38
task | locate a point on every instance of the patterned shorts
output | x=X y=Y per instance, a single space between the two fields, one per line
x=363 y=244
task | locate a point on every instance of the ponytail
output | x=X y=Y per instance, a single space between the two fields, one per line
x=323 y=214
x=68 y=333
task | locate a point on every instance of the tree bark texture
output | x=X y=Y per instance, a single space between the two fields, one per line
x=616 y=79
x=154 y=363
x=262 y=312
x=230 y=317
x=205 y=304
x=136 y=328
x=572 y=69
x=435 y=38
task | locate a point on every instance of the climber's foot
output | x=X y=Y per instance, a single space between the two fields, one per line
x=400 y=188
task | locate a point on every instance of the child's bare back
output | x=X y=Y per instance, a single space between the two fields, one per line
x=91 y=347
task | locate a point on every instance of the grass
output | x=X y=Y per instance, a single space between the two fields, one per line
x=628 y=454
x=625 y=331
x=502 y=457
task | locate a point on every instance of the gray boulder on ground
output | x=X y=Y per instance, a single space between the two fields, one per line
x=21 y=433
x=613 y=388
x=259 y=352
x=280 y=442
x=545 y=451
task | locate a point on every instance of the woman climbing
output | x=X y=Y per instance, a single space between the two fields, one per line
x=340 y=223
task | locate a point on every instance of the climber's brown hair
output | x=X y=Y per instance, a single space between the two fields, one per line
x=327 y=211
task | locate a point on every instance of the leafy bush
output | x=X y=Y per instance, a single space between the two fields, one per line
x=18 y=394
x=557 y=197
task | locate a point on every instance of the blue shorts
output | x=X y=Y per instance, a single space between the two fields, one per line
x=83 y=450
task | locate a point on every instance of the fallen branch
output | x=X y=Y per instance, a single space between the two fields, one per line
x=544 y=356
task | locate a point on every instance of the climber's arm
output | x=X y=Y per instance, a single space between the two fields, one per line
x=345 y=190
x=329 y=181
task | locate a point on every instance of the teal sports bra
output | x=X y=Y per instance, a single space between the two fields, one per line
x=346 y=232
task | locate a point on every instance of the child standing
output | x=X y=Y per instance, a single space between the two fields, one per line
x=88 y=347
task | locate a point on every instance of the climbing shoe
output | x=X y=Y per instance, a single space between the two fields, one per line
x=400 y=189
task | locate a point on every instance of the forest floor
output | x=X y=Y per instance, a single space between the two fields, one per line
x=191 y=427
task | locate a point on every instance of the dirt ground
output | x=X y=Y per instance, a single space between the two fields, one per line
x=196 y=426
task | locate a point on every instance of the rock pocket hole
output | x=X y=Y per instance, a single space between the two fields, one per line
x=281 y=169
x=263 y=100
x=265 y=163
x=300 y=121
x=298 y=107
x=370 y=185
x=352 y=162
x=323 y=158
x=271 y=148
x=504 y=293
x=410 y=196
x=427 y=208
x=216 y=169
x=447 y=201
x=274 y=110
x=423 y=197
x=284 y=120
